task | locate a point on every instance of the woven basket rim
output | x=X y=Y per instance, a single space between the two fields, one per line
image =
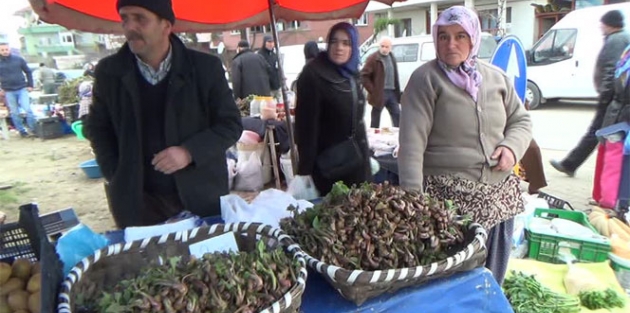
x=296 y=291
x=338 y=274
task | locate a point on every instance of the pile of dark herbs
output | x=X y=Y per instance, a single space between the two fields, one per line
x=243 y=282
x=377 y=227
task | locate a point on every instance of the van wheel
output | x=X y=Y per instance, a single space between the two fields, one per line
x=533 y=95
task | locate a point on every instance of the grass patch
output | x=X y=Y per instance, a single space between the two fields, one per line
x=10 y=197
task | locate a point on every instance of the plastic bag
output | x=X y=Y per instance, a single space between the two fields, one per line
x=375 y=166
x=249 y=175
x=269 y=207
x=303 y=187
x=79 y=242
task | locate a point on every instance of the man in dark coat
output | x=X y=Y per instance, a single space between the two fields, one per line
x=250 y=73
x=379 y=76
x=161 y=120
x=272 y=59
x=616 y=40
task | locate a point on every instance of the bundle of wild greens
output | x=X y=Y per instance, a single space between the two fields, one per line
x=593 y=293
x=527 y=295
x=244 y=282
x=377 y=227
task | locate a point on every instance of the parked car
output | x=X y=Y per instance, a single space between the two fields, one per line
x=560 y=64
x=413 y=51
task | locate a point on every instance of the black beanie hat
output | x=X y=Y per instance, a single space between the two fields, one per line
x=613 y=18
x=161 y=8
x=243 y=44
x=267 y=38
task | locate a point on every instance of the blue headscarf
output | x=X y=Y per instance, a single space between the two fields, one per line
x=350 y=68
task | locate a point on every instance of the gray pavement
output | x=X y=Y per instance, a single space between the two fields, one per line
x=558 y=126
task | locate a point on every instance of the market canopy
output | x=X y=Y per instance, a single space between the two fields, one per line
x=100 y=16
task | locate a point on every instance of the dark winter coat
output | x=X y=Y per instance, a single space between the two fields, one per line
x=323 y=118
x=250 y=75
x=200 y=115
x=373 y=79
x=272 y=59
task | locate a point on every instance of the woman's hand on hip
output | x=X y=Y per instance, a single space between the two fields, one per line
x=506 y=159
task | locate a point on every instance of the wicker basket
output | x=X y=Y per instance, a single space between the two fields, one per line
x=358 y=286
x=123 y=261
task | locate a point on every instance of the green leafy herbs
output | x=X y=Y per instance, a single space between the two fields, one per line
x=602 y=299
x=527 y=295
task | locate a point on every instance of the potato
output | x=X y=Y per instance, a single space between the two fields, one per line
x=34 y=284
x=5 y=272
x=36 y=268
x=4 y=306
x=21 y=268
x=34 y=304
x=18 y=300
x=12 y=284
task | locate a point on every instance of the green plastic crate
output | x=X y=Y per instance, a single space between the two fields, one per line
x=544 y=247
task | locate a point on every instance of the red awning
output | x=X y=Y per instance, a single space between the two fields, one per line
x=100 y=16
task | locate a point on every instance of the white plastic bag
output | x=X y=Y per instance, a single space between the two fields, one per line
x=249 y=175
x=303 y=187
x=269 y=207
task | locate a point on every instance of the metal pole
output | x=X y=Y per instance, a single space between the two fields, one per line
x=287 y=111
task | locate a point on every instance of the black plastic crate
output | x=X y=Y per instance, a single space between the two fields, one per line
x=556 y=203
x=27 y=239
x=49 y=128
x=71 y=112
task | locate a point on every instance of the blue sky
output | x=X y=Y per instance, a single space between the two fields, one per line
x=9 y=23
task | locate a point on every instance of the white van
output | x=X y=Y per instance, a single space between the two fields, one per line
x=292 y=60
x=562 y=62
x=413 y=51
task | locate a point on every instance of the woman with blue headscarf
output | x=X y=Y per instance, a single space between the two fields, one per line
x=330 y=105
x=462 y=130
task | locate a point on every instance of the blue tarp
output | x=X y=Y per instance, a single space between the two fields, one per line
x=470 y=292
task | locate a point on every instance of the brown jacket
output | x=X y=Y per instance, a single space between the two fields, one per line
x=373 y=79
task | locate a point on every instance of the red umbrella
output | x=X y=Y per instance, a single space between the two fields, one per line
x=100 y=16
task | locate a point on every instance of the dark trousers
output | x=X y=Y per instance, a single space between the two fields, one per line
x=499 y=246
x=587 y=144
x=393 y=107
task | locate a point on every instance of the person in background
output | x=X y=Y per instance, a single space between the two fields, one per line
x=380 y=78
x=533 y=167
x=311 y=51
x=325 y=112
x=47 y=79
x=250 y=73
x=267 y=51
x=616 y=40
x=16 y=81
x=462 y=130
x=89 y=70
x=161 y=121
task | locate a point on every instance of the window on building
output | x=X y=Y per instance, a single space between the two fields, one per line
x=257 y=29
x=66 y=38
x=279 y=26
x=489 y=19
x=235 y=32
x=362 y=21
x=403 y=29
x=294 y=25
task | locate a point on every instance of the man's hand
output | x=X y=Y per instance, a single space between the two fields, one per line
x=171 y=160
x=29 y=89
x=506 y=159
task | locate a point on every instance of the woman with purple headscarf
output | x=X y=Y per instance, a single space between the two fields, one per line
x=327 y=108
x=462 y=130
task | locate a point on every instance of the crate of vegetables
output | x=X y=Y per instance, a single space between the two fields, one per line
x=550 y=230
x=173 y=273
x=30 y=270
x=378 y=238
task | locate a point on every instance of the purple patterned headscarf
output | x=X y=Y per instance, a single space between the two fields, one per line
x=466 y=75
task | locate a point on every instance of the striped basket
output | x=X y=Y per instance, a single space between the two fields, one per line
x=123 y=261
x=358 y=286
